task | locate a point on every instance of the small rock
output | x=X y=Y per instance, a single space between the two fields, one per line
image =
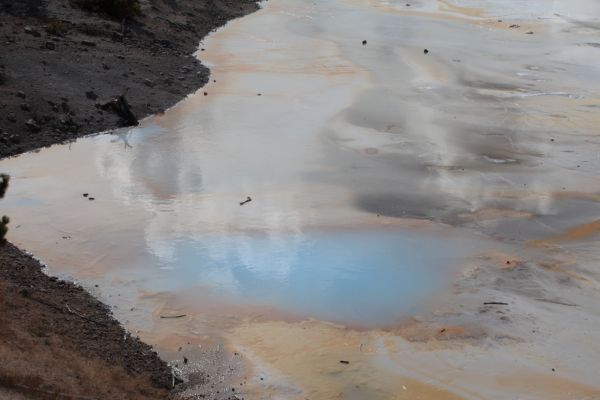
x=514 y=26
x=11 y=117
x=105 y=66
x=88 y=43
x=529 y=33
x=91 y=95
x=32 y=125
x=30 y=31
x=185 y=360
x=85 y=194
x=425 y=51
x=364 y=42
x=344 y=362
x=148 y=82
x=25 y=107
x=50 y=46
x=21 y=94
x=91 y=198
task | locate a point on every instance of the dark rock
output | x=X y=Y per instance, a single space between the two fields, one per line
x=121 y=107
x=91 y=95
x=11 y=117
x=21 y=94
x=50 y=46
x=25 y=107
x=148 y=82
x=364 y=42
x=31 y=31
x=32 y=125
x=425 y=51
x=88 y=43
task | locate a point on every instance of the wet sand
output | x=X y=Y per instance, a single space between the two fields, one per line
x=490 y=137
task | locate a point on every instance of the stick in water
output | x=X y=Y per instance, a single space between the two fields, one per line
x=173 y=316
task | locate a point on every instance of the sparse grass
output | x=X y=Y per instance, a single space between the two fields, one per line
x=57 y=28
x=115 y=8
x=91 y=30
x=43 y=364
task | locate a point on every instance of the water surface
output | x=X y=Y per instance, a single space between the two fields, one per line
x=375 y=170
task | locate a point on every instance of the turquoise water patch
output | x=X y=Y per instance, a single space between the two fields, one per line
x=358 y=276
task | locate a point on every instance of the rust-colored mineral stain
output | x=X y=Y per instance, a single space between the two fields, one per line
x=576 y=233
x=551 y=385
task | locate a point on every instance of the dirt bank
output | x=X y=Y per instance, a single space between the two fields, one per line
x=56 y=339
x=58 y=65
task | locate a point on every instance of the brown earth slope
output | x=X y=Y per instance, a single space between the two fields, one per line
x=57 y=341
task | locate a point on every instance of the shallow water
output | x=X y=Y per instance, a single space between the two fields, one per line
x=361 y=276
x=376 y=171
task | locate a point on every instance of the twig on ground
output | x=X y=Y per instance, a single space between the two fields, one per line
x=173 y=316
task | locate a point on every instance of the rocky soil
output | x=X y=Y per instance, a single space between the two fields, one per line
x=60 y=64
x=56 y=339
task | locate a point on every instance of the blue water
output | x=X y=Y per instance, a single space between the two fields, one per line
x=357 y=276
